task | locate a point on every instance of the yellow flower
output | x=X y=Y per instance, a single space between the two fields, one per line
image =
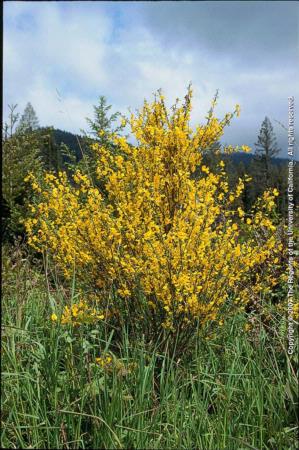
x=54 y=317
x=245 y=148
x=104 y=361
x=153 y=228
x=241 y=212
x=275 y=192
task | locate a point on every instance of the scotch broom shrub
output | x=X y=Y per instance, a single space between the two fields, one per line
x=162 y=249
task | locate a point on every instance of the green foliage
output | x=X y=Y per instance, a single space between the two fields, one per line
x=50 y=151
x=71 y=141
x=102 y=128
x=103 y=124
x=26 y=148
x=20 y=155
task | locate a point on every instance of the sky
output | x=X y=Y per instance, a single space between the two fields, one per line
x=61 y=56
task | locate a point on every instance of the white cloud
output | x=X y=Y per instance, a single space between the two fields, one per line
x=52 y=108
x=84 y=50
x=55 y=52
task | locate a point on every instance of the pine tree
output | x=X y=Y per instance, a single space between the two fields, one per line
x=102 y=125
x=101 y=128
x=266 y=148
x=29 y=120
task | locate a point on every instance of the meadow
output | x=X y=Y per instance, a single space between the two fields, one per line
x=145 y=306
x=234 y=389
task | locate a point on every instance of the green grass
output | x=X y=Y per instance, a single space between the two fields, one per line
x=235 y=390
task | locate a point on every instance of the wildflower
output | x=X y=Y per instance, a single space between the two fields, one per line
x=245 y=148
x=104 y=361
x=205 y=169
x=241 y=212
x=159 y=233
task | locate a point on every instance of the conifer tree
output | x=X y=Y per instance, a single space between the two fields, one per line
x=102 y=124
x=101 y=128
x=29 y=120
x=266 y=149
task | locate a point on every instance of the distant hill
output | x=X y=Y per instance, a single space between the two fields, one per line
x=71 y=140
x=246 y=159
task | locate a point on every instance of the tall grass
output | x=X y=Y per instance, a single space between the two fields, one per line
x=234 y=390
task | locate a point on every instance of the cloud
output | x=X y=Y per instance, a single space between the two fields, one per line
x=56 y=51
x=127 y=50
x=248 y=32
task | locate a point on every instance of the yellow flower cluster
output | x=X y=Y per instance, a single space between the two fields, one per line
x=160 y=230
x=104 y=361
x=78 y=314
x=110 y=362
